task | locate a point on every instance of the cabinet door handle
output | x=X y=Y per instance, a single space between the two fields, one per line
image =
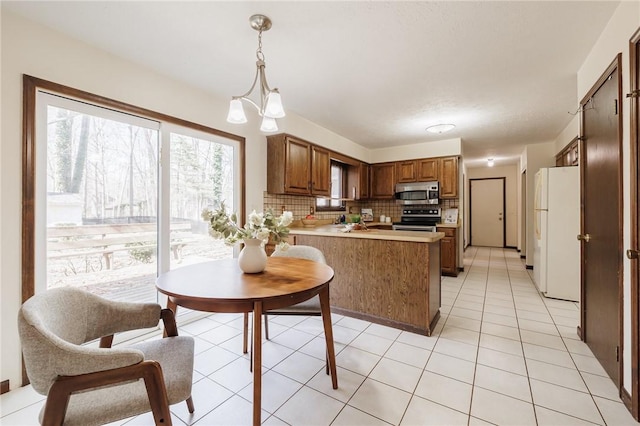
x=584 y=237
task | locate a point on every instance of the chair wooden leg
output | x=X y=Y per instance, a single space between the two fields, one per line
x=156 y=390
x=266 y=326
x=190 y=404
x=246 y=332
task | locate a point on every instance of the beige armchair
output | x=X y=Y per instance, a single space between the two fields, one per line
x=91 y=386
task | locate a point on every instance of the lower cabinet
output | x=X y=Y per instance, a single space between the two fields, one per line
x=449 y=251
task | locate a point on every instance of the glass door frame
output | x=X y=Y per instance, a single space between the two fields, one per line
x=30 y=179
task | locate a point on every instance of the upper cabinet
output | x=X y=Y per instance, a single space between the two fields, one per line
x=382 y=178
x=428 y=169
x=423 y=170
x=358 y=181
x=297 y=167
x=406 y=171
x=569 y=156
x=364 y=169
x=448 y=177
x=320 y=171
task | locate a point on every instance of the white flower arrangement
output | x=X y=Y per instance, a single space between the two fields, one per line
x=259 y=225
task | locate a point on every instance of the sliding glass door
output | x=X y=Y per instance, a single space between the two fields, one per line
x=111 y=211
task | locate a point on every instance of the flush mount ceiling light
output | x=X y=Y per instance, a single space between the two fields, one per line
x=490 y=162
x=270 y=106
x=440 y=128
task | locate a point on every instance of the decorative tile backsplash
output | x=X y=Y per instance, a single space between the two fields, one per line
x=301 y=206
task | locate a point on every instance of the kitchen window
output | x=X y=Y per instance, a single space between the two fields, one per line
x=338 y=189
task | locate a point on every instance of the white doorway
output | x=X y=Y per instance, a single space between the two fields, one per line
x=487 y=206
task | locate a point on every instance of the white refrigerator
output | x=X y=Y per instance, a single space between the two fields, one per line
x=556 y=257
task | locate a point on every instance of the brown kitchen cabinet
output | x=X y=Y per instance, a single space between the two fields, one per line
x=427 y=169
x=364 y=181
x=320 y=171
x=422 y=170
x=297 y=167
x=569 y=156
x=383 y=176
x=357 y=180
x=448 y=177
x=448 y=251
x=406 y=171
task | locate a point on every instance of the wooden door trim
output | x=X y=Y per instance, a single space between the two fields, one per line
x=633 y=401
x=616 y=64
x=504 y=209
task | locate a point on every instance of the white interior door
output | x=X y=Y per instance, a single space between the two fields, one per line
x=487 y=212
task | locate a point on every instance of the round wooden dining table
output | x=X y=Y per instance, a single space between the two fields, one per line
x=220 y=286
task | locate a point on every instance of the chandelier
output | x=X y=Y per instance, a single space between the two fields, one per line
x=270 y=106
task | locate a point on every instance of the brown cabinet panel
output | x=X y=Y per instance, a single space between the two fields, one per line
x=449 y=252
x=427 y=169
x=321 y=171
x=362 y=190
x=383 y=180
x=448 y=177
x=297 y=166
x=406 y=171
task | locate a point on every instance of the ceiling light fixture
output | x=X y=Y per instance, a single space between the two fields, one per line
x=270 y=106
x=440 y=128
x=490 y=162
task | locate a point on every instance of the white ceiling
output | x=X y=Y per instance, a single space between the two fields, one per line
x=377 y=73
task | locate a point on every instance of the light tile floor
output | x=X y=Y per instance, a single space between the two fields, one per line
x=501 y=354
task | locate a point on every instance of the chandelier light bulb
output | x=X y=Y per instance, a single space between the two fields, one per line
x=274 y=107
x=236 y=112
x=268 y=124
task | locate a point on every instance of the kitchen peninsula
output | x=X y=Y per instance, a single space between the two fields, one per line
x=387 y=277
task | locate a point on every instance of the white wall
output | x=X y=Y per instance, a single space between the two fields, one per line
x=511 y=175
x=28 y=48
x=615 y=39
x=568 y=134
x=443 y=148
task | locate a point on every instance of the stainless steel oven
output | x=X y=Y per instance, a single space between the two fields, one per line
x=417 y=193
x=418 y=219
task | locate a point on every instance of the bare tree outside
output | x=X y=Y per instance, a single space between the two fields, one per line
x=102 y=202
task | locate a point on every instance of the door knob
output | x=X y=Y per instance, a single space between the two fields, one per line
x=584 y=237
x=633 y=254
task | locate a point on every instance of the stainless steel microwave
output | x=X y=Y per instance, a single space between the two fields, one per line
x=417 y=193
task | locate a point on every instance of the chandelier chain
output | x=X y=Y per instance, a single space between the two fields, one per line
x=259 y=53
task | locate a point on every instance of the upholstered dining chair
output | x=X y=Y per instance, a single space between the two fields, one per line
x=87 y=385
x=310 y=307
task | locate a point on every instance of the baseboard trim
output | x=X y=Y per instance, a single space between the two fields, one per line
x=512 y=247
x=4 y=387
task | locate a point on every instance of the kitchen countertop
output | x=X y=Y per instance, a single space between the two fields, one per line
x=372 y=234
x=448 y=225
